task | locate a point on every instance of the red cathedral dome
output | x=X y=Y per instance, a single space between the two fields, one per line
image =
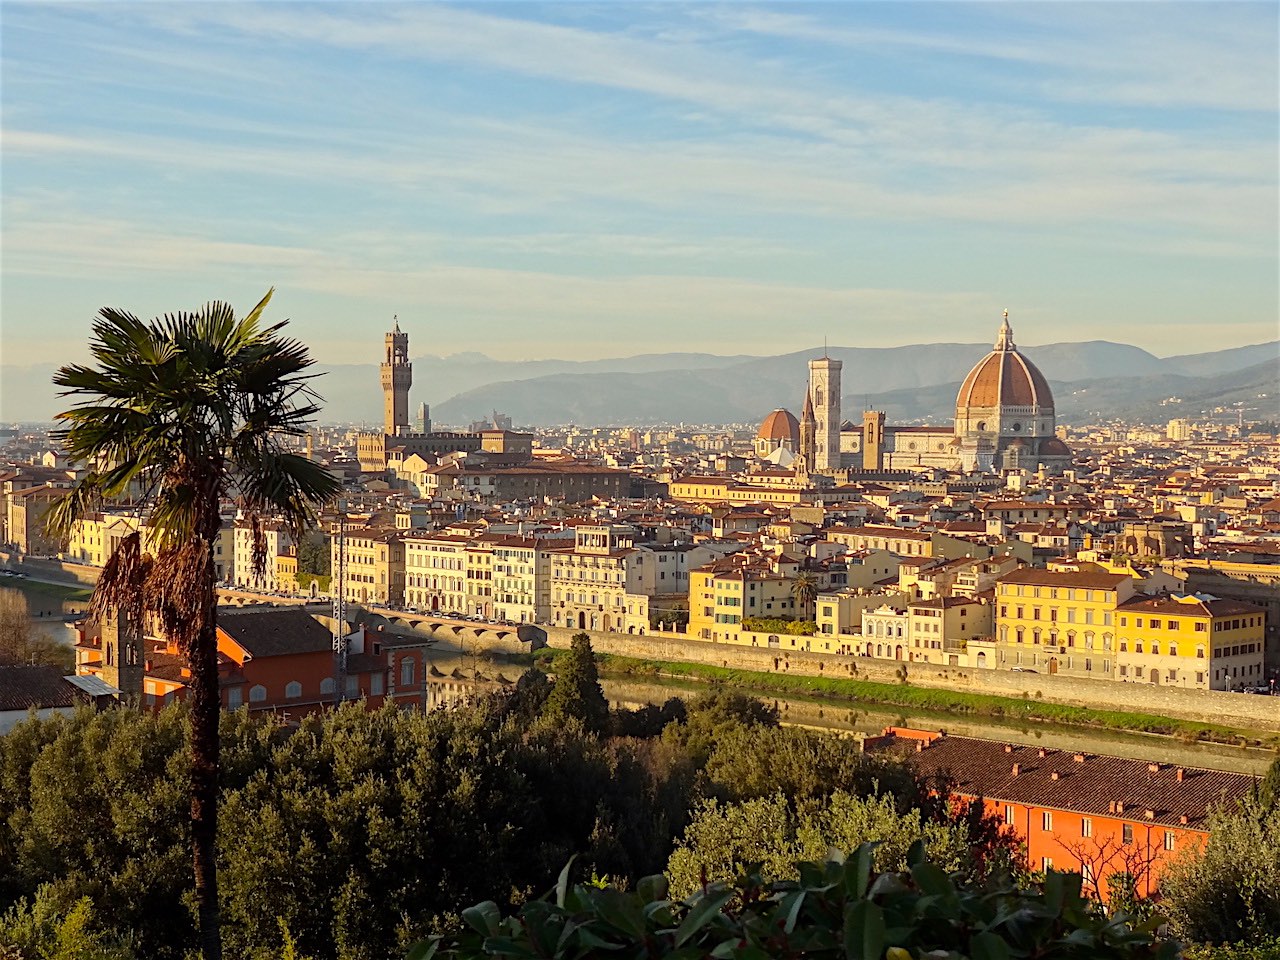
x=1005 y=378
x=780 y=426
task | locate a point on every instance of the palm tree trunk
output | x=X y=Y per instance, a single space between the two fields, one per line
x=205 y=701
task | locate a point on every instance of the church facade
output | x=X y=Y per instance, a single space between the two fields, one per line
x=1004 y=420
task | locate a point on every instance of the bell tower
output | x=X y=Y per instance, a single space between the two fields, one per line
x=122 y=656
x=397 y=377
x=824 y=388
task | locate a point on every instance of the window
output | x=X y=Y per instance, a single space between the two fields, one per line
x=375 y=683
x=1126 y=833
x=353 y=688
x=293 y=689
x=257 y=693
x=1046 y=820
x=1086 y=826
x=406 y=671
x=1047 y=863
x=1008 y=813
x=1173 y=649
x=1086 y=872
x=1169 y=839
x=235 y=697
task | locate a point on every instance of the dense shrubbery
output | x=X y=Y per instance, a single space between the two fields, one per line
x=783 y=625
x=834 y=909
x=356 y=834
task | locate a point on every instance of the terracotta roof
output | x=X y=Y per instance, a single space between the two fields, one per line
x=1062 y=578
x=273 y=633
x=1004 y=377
x=1092 y=785
x=39 y=687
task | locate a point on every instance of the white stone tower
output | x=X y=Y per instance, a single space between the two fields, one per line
x=824 y=389
x=397 y=376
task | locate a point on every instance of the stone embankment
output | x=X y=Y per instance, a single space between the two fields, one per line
x=1257 y=712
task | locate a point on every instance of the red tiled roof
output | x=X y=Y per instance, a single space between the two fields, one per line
x=1093 y=785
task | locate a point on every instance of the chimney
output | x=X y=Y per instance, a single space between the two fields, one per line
x=1149 y=814
x=1016 y=768
x=1054 y=775
x=1078 y=758
x=1183 y=820
x=1181 y=774
x=1153 y=767
x=1008 y=748
x=1119 y=806
x=919 y=746
x=1041 y=753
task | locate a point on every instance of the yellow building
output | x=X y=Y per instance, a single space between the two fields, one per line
x=1190 y=641
x=375 y=566
x=287 y=570
x=603 y=582
x=839 y=616
x=1051 y=621
x=479 y=578
x=723 y=592
x=521 y=580
x=435 y=572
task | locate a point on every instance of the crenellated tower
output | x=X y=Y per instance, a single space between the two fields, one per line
x=397 y=377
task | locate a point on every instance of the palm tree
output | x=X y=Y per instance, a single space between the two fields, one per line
x=192 y=407
x=804 y=590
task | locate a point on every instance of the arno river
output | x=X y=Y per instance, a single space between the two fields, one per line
x=841 y=717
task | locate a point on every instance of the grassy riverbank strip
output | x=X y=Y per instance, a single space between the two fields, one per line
x=930 y=698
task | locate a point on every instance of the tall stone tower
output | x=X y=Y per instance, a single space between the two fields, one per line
x=397 y=376
x=808 y=431
x=824 y=388
x=872 y=439
x=122 y=655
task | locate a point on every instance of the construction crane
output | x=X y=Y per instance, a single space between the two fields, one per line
x=338 y=587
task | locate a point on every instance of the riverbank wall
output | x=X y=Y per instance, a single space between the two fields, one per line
x=1249 y=710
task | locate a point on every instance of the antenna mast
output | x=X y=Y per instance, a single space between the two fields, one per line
x=338 y=587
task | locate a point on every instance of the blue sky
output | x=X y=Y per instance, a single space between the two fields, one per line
x=589 y=180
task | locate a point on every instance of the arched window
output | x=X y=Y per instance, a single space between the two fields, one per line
x=327 y=686
x=257 y=693
x=293 y=689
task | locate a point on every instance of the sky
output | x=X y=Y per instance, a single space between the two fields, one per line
x=587 y=180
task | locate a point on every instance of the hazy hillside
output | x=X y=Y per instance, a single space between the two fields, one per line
x=749 y=389
x=912 y=382
x=1143 y=398
x=1224 y=361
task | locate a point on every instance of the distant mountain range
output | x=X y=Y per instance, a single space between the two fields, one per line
x=1092 y=380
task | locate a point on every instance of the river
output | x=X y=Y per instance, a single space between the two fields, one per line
x=842 y=717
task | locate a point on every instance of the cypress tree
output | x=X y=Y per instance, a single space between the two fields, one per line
x=577 y=690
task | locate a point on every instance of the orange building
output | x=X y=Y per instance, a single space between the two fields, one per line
x=1096 y=815
x=269 y=659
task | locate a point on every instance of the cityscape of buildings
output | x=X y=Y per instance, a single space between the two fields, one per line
x=1004 y=542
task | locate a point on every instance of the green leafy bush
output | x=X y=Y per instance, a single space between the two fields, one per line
x=795 y=628
x=839 y=908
